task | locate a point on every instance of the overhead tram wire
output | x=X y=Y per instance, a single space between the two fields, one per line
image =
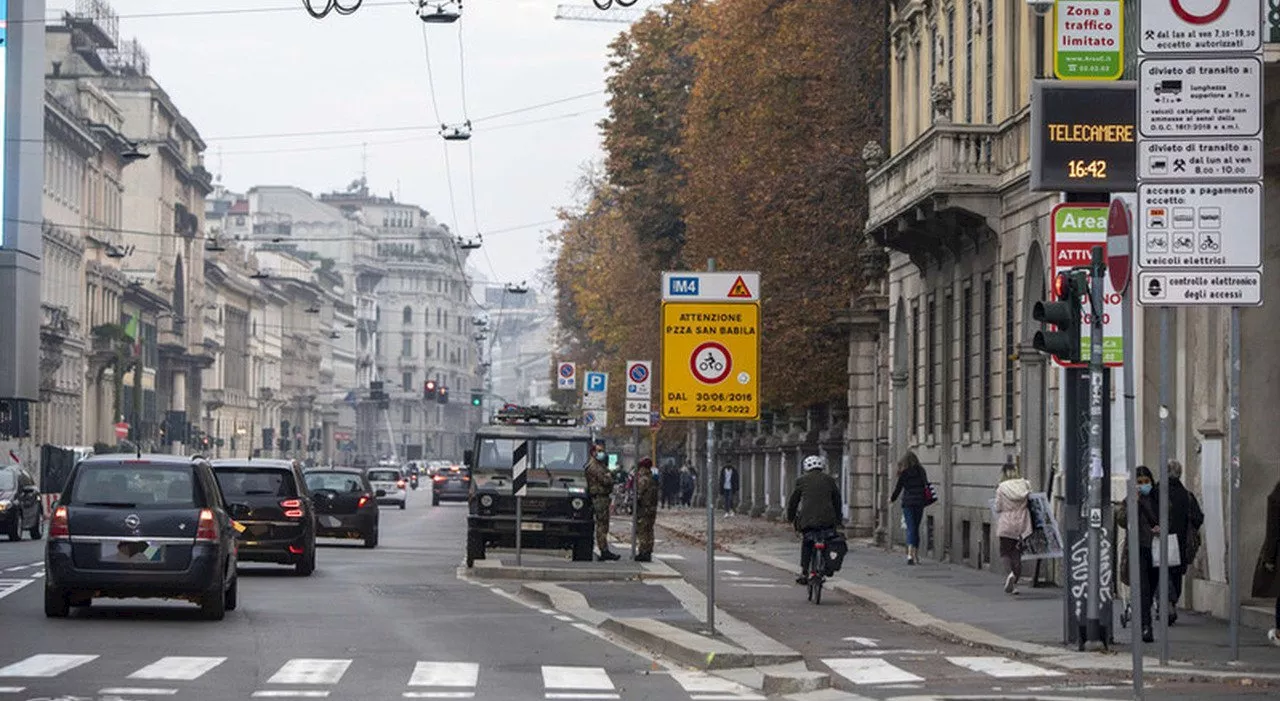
x=471 y=161
x=331 y=6
x=276 y=9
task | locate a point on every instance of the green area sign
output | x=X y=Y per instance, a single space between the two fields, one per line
x=1088 y=39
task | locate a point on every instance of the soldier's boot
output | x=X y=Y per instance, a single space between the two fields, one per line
x=608 y=556
x=644 y=557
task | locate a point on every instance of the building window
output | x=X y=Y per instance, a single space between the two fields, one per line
x=988 y=319
x=915 y=369
x=991 y=62
x=406 y=381
x=406 y=346
x=968 y=64
x=951 y=46
x=933 y=56
x=966 y=357
x=1014 y=61
x=408 y=414
x=1009 y=349
x=408 y=316
x=905 y=99
x=931 y=370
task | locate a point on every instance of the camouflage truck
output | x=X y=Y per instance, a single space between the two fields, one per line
x=556 y=513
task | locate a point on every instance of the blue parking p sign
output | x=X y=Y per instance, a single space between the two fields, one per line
x=596 y=382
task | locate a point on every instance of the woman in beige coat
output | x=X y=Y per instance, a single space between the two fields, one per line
x=1014 y=522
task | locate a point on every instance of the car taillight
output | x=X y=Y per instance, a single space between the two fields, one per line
x=400 y=484
x=466 y=478
x=207 y=528
x=58 y=528
x=363 y=500
x=439 y=478
x=292 y=507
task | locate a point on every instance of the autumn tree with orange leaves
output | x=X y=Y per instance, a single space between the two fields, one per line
x=735 y=133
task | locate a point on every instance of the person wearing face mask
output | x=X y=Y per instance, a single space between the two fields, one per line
x=600 y=489
x=647 y=483
x=1148 y=527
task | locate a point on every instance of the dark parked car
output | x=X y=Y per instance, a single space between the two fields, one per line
x=20 y=508
x=151 y=526
x=450 y=484
x=346 y=504
x=270 y=500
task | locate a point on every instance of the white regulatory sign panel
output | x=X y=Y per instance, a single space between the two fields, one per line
x=637 y=420
x=1200 y=26
x=1205 y=226
x=1200 y=159
x=639 y=406
x=1200 y=97
x=1233 y=289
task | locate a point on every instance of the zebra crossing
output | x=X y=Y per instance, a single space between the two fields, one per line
x=319 y=678
x=875 y=670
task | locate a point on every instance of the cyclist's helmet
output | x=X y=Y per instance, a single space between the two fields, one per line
x=815 y=462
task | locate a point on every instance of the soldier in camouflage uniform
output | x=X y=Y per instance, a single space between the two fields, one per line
x=646 y=509
x=600 y=489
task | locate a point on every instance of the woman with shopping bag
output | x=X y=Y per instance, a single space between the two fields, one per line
x=1148 y=527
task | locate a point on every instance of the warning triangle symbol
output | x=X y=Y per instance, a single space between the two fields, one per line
x=739 y=289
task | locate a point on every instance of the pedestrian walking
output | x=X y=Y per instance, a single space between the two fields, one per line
x=1013 y=522
x=913 y=487
x=1266 y=580
x=687 y=484
x=1148 y=527
x=1185 y=520
x=728 y=487
x=600 y=490
x=647 y=486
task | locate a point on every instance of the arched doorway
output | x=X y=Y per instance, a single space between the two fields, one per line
x=1036 y=461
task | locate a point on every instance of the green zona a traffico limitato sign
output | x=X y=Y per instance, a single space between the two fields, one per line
x=1088 y=39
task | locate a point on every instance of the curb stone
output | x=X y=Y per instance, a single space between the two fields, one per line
x=912 y=615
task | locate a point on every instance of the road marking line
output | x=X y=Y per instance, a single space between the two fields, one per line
x=870 y=670
x=594 y=678
x=549 y=612
x=45 y=665
x=562 y=617
x=9 y=586
x=15 y=569
x=761 y=586
x=445 y=674
x=285 y=694
x=439 y=694
x=667 y=556
x=574 y=695
x=137 y=690
x=310 y=671
x=879 y=651
x=865 y=642
x=727 y=558
x=178 y=668
x=37 y=564
x=38 y=575
x=1002 y=667
x=705 y=687
x=12 y=689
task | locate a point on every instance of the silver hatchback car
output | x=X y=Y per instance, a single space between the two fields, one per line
x=392 y=481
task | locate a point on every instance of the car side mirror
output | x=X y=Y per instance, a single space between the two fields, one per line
x=466 y=457
x=239 y=511
x=380 y=493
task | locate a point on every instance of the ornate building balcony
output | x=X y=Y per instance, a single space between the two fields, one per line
x=944 y=188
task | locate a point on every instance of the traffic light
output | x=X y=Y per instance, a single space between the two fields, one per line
x=477 y=397
x=1064 y=314
x=443 y=395
x=429 y=390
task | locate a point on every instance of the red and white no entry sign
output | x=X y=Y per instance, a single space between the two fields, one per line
x=711 y=363
x=1199 y=11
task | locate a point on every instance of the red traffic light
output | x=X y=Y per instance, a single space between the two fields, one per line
x=1060 y=285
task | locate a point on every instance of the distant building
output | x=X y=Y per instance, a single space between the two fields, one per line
x=520 y=331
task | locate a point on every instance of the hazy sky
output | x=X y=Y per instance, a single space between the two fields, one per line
x=271 y=73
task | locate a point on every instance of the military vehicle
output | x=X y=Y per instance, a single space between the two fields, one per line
x=556 y=512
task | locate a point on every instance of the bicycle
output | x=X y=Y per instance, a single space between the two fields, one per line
x=817 y=571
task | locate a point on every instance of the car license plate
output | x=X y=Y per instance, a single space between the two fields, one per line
x=531 y=526
x=132 y=551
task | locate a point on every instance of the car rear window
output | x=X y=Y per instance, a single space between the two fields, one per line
x=135 y=486
x=383 y=475
x=335 y=481
x=255 y=482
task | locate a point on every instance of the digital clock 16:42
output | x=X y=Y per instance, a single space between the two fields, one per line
x=1079 y=168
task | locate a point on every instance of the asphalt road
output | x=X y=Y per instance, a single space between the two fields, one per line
x=389 y=623
x=880 y=658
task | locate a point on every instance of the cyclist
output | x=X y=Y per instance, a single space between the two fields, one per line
x=814 y=508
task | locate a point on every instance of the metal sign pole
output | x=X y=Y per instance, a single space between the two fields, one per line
x=1234 y=419
x=1096 y=471
x=711 y=527
x=1162 y=597
x=635 y=491
x=519 y=526
x=519 y=477
x=1130 y=425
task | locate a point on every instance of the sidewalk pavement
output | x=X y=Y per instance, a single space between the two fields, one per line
x=961 y=603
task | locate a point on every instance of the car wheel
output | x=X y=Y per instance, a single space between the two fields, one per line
x=307 y=565
x=435 y=500
x=582 y=550
x=213 y=604
x=475 y=547
x=371 y=540
x=402 y=504
x=55 y=603
x=36 y=532
x=232 y=596
x=15 y=527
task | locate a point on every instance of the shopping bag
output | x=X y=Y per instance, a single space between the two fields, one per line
x=1175 y=554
